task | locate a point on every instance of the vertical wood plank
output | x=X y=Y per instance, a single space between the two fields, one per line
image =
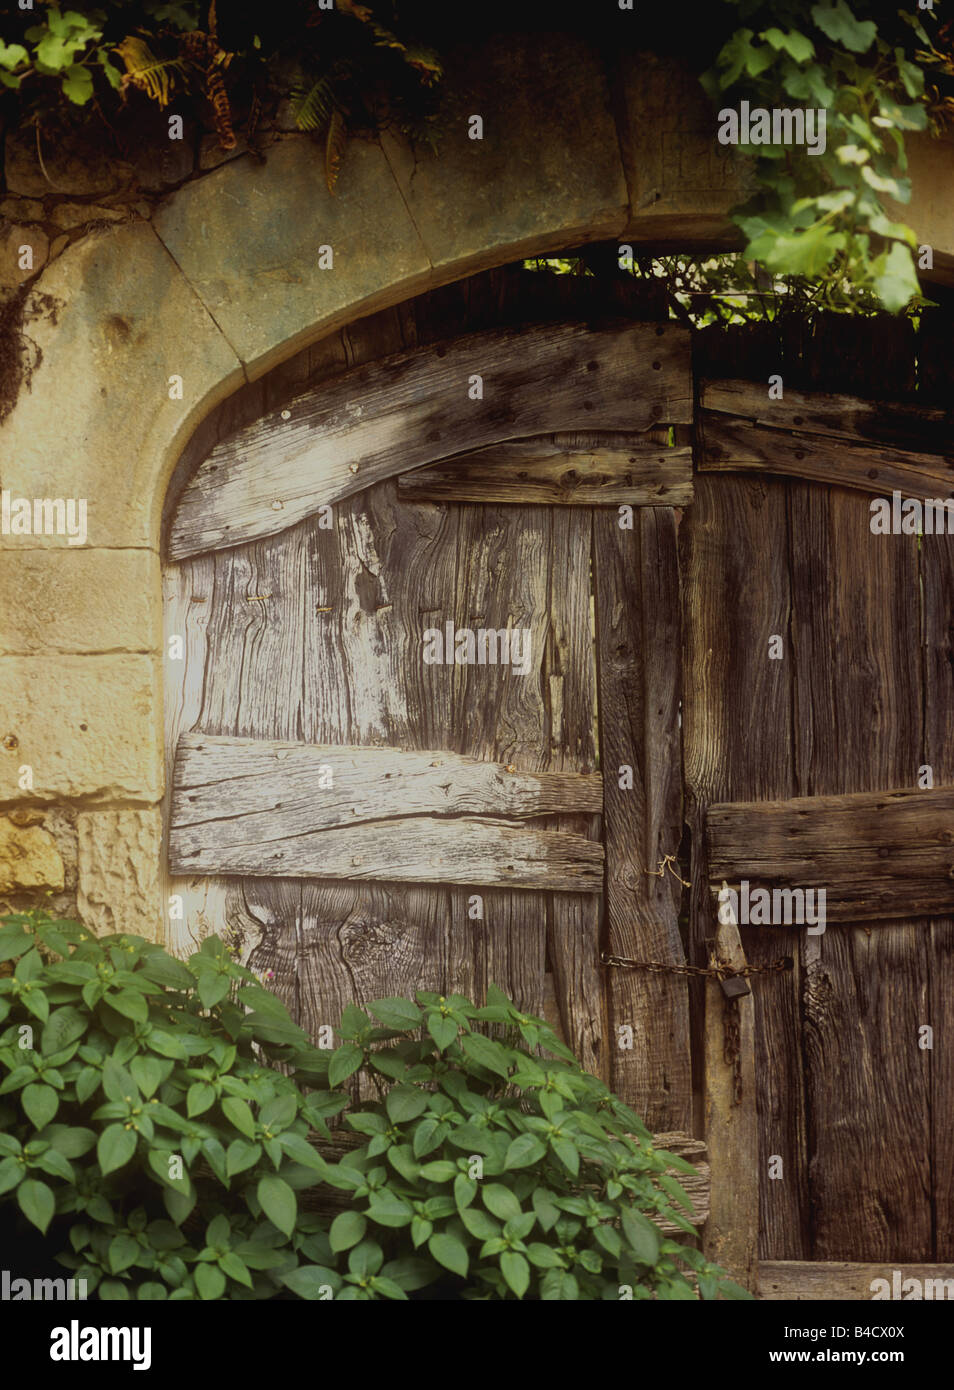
x=731 y=1236
x=574 y=918
x=638 y=645
x=737 y=732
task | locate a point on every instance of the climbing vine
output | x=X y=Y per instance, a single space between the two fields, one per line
x=823 y=218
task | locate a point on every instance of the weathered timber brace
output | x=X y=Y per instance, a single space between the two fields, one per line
x=258 y=807
x=852 y=443
x=878 y=855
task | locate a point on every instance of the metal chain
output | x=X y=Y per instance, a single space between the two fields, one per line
x=713 y=972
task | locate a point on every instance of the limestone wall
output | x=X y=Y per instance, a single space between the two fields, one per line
x=162 y=282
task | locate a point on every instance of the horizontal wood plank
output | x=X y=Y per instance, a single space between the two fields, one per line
x=877 y=854
x=730 y=444
x=416 y=407
x=560 y=470
x=836 y=1281
x=413 y=849
x=924 y=429
x=243 y=789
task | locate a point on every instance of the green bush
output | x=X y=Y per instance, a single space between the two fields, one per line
x=144 y=1121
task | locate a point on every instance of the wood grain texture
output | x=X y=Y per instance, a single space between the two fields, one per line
x=638 y=649
x=413 y=408
x=833 y=1281
x=560 y=471
x=732 y=1131
x=273 y=788
x=737 y=733
x=855 y=641
x=937 y=583
x=902 y=424
x=877 y=854
x=733 y=444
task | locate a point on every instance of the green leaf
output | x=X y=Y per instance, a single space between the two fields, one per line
x=312 y=1282
x=396 y=1013
x=346 y=1230
x=839 y=24
x=501 y=1201
x=278 y=1202
x=241 y=1155
x=389 y=1210
x=344 y=1062
x=115 y=1148
x=523 y=1151
x=568 y=1154
x=479 y=1224
x=405 y=1103
x=147 y=1073
x=37 y=1203
x=123 y=1252
x=641 y=1236
x=238 y=1113
x=72 y=1141
x=40 y=1103
x=487 y=1053
x=544 y=1257
x=11 y=1173
x=302 y=1152
x=209 y=1280
x=796 y=45
x=166 y=1045
x=63 y=1027
x=895 y=280
x=516 y=1271
x=235 y=1268
x=212 y=988
x=167 y=971
x=449 y=1252
x=130 y=1004
x=442 y=1030
x=200 y=1096
x=54 y=1163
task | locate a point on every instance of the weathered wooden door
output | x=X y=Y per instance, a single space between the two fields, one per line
x=819 y=753
x=400 y=665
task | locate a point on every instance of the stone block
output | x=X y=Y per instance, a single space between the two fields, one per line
x=114 y=320
x=247 y=237
x=14 y=237
x=29 y=857
x=682 y=182
x=119 y=858
x=547 y=172
x=86 y=726
x=77 y=600
x=69 y=215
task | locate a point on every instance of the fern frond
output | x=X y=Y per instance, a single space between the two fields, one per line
x=334 y=148
x=312 y=107
x=152 y=75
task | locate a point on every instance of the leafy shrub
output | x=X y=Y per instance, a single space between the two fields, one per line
x=150 y=1122
x=126 y=1114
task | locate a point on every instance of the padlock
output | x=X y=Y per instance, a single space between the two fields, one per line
x=735 y=985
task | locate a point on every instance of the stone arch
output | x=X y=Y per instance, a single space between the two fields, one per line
x=225 y=283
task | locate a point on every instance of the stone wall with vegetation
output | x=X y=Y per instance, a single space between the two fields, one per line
x=159 y=282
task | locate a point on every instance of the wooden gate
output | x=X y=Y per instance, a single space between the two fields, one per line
x=440 y=702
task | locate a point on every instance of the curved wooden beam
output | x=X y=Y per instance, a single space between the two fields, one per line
x=417 y=407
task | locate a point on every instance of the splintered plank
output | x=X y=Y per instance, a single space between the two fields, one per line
x=877 y=854
x=856 y=644
x=272 y=790
x=413 y=408
x=734 y=445
x=737 y=733
x=561 y=470
x=638 y=640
